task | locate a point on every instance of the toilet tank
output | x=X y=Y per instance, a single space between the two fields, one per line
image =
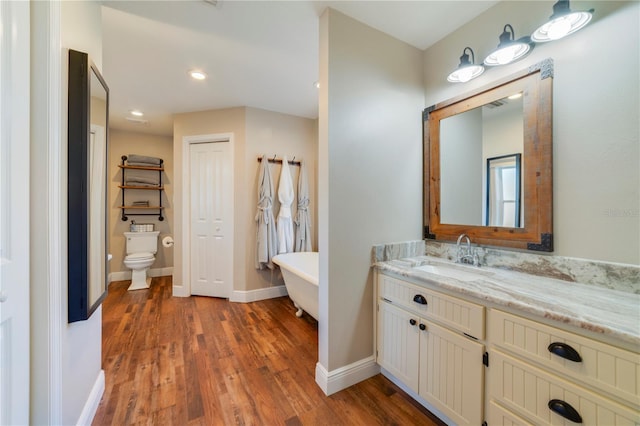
x=141 y=242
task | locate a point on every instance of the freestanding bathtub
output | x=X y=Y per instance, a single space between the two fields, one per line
x=300 y=273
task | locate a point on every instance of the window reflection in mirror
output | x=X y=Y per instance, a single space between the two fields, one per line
x=503 y=191
x=467 y=141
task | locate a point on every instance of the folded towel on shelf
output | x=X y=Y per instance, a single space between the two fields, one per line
x=145 y=184
x=141 y=203
x=131 y=163
x=134 y=158
x=141 y=177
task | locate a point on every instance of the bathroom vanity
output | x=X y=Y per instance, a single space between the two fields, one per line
x=478 y=345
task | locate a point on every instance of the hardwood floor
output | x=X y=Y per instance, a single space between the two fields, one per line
x=206 y=361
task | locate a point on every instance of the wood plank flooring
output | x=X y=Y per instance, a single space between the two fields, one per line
x=206 y=361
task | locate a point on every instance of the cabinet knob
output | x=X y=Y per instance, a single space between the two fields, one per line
x=564 y=351
x=423 y=327
x=418 y=298
x=565 y=409
x=412 y=321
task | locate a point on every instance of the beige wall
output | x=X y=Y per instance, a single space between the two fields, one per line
x=126 y=143
x=370 y=174
x=255 y=132
x=596 y=93
x=277 y=134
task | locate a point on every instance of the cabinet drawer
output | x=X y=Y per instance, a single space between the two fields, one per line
x=456 y=313
x=529 y=390
x=501 y=416
x=602 y=366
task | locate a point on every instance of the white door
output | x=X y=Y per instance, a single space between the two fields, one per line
x=211 y=218
x=14 y=213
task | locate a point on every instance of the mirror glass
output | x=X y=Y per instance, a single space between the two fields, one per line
x=471 y=138
x=488 y=163
x=97 y=173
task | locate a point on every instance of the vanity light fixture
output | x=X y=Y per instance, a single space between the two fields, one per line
x=562 y=23
x=508 y=50
x=197 y=74
x=467 y=70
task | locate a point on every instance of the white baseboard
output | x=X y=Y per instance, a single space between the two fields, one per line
x=91 y=405
x=126 y=275
x=334 y=381
x=259 y=294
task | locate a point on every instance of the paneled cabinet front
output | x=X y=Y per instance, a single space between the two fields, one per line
x=441 y=365
x=553 y=376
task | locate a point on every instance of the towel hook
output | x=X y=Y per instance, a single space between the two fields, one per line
x=294 y=159
x=274 y=157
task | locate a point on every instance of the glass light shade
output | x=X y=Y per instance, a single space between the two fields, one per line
x=508 y=50
x=464 y=74
x=507 y=54
x=560 y=27
x=467 y=69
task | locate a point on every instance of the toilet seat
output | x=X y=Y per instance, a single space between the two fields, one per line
x=139 y=256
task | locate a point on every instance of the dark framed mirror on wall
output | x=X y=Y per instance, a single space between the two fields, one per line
x=88 y=136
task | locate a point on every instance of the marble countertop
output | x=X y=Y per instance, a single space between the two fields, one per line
x=600 y=310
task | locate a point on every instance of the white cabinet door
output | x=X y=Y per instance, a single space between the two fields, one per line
x=451 y=374
x=398 y=337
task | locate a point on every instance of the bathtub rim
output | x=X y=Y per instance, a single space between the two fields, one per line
x=281 y=262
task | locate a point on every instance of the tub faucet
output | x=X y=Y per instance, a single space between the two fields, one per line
x=466 y=253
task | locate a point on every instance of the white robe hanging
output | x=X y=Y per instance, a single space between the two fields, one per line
x=303 y=223
x=266 y=238
x=285 y=220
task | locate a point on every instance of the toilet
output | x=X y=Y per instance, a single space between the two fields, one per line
x=141 y=250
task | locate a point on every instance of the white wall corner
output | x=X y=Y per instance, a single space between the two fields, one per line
x=334 y=381
x=259 y=294
x=91 y=405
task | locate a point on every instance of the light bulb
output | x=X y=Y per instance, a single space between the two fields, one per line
x=559 y=28
x=465 y=74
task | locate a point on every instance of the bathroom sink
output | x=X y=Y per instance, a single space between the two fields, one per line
x=458 y=272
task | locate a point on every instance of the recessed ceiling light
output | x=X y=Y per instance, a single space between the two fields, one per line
x=136 y=112
x=197 y=74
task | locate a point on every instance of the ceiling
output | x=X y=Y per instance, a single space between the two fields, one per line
x=262 y=54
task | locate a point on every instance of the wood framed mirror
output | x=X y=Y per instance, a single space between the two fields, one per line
x=88 y=119
x=510 y=117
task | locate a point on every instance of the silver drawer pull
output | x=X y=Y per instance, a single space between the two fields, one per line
x=564 y=351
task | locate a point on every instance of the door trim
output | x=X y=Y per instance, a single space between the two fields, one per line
x=184 y=290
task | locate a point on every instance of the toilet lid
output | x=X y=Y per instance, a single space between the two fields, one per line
x=139 y=256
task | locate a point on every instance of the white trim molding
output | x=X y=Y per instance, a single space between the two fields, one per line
x=341 y=378
x=91 y=405
x=259 y=294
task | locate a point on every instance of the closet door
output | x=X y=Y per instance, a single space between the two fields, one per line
x=211 y=205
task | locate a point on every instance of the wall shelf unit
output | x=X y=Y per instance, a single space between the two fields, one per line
x=146 y=181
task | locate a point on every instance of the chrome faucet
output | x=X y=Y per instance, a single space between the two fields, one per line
x=466 y=254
